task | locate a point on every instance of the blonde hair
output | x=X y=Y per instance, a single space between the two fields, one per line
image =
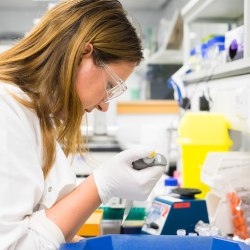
x=44 y=64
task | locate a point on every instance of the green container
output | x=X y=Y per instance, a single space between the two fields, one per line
x=136 y=213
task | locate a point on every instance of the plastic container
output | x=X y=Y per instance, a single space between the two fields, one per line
x=136 y=213
x=170 y=184
x=200 y=133
x=224 y=173
x=193 y=60
x=93 y=226
x=216 y=50
x=153 y=242
x=234 y=44
x=203 y=59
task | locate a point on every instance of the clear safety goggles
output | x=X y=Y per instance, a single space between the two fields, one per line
x=114 y=88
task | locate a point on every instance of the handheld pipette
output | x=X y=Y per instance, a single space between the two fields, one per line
x=153 y=160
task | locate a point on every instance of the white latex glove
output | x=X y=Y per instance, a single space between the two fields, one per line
x=117 y=178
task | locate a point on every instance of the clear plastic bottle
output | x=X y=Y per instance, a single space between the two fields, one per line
x=192 y=60
x=203 y=58
x=169 y=184
x=216 y=50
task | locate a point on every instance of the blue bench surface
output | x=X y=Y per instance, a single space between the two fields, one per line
x=151 y=242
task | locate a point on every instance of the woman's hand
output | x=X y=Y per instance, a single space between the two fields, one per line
x=117 y=178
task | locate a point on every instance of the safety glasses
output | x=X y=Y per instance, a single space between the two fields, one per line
x=114 y=88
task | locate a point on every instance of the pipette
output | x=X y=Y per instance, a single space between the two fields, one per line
x=153 y=160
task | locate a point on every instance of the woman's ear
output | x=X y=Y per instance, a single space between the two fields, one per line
x=88 y=51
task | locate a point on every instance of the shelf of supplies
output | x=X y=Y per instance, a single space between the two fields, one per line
x=220 y=10
x=230 y=69
x=148 y=107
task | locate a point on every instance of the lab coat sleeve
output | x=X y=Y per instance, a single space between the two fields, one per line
x=22 y=181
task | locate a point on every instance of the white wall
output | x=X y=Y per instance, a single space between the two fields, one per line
x=18 y=20
x=230 y=97
x=21 y=20
x=173 y=5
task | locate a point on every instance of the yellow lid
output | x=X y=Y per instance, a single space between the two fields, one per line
x=204 y=129
x=92 y=227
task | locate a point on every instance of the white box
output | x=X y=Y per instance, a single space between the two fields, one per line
x=234 y=44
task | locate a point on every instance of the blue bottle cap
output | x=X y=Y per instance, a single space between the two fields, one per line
x=219 y=39
x=192 y=52
x=172 y=182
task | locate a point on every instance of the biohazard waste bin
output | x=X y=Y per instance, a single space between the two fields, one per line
x=200 y=133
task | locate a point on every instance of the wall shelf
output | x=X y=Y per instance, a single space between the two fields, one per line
x=227 y=85
x=170 y=52
x=230 y=69
x=213 y=12
x=166 y=57
x=204 y=10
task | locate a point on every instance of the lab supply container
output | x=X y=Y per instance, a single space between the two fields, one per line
x=136 y=213
x=200 y=133
x=234 y=44
x=169 y=184
x=152 y=242
x=93 y=226
x=216 y=50
x=228 y=202
x=193 y=60
x=132 y=227
x=112 y=219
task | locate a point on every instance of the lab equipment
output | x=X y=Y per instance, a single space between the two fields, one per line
x=181 y=232
x=170 y=184
x=93 y=226
x=227 y=174
x=177 y=84
x=153 y=160
x=239 y=206
x=234 y=44
x=114 y=179
x=206 y=229
x=216 y=50
x=200 y=133
x=169 y=214
x=128 y=206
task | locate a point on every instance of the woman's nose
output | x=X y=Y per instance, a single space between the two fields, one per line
x=103 y=107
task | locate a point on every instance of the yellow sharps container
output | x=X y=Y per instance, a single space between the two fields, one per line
x=200 y=133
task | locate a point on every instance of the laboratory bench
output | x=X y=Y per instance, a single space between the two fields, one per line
x=107 y=220
x=103 y=230
x=152 y=242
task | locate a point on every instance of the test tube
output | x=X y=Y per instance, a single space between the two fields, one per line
x=181 y=232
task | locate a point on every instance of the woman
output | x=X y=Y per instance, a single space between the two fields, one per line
x=75 y=60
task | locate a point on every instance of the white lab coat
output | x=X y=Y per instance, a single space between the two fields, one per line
x=24 y=194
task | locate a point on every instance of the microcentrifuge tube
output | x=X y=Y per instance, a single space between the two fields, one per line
x=181 y=232
x=192 y=234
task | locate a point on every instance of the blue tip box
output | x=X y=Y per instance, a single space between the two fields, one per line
x=152 y=242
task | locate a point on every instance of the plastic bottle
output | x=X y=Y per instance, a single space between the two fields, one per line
x=216 y=50
x=192 y=60
x=169 y=184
